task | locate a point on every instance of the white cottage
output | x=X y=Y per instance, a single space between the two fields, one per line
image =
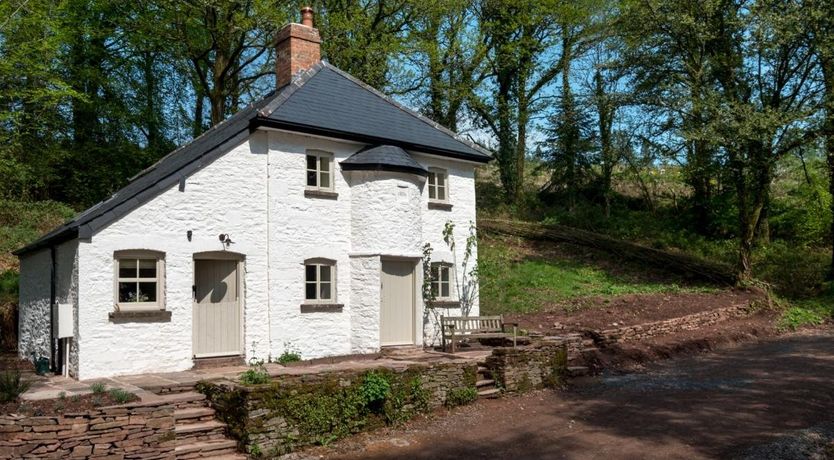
x=298 y=222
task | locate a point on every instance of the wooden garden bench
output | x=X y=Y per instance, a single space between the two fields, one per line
x=453 y=328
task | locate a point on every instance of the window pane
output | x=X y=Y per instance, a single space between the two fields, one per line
x=432 y=192
x=441 y=193
x=147 y=292
x=444 y=289
x=324 y=164
x=325 y=291
x=325 y=272
x=310 y=293
x=435 y=271
x=324 y=180
x=311 y=162
x=434 y=288
x=311 y=273
x=127 y=292
x=311 y=178
x=147 y=268
x=432 y=179
x=444 y=274
x=127 y=268
x=441 y=180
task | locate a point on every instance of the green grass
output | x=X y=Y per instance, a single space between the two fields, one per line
x=23 y=222
x=513 y=284
x=809 y=312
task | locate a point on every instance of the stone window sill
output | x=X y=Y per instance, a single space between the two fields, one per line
x=440 y=205
x=322 y=307
x=444 y=304
x=313 y=193
x=140 y=316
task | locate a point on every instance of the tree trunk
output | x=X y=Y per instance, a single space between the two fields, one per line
x=827 y=65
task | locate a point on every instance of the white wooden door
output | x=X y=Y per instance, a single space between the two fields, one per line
x=217 y=328
x=397 y=303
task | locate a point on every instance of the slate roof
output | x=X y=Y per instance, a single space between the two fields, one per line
x=383 y=158
x=323 y=101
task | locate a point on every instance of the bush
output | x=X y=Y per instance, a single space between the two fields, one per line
x=98 y=388
x=375 y=389
x=121 y=396
x=12 y=386
x=290 y=355
x=255 y=376
x=461 y=396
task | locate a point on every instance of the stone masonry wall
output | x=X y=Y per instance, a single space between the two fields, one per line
x=297 y=411
x=133 y=431
x=540 y=365
x=658 y=328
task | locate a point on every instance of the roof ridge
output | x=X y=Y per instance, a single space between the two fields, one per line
x=405 y=109
x=284 y=93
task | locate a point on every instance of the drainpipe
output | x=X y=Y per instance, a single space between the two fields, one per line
x=52 y=277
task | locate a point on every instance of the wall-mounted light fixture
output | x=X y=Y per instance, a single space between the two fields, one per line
x=225 y=239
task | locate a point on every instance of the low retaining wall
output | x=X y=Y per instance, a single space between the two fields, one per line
x=133 y=431
x=297 y=411
x=540 y=365
x=670 y=326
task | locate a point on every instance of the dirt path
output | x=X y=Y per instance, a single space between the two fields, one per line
x=706 y=406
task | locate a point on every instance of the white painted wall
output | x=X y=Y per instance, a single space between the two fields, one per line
x=35 y=292
x=255 y=193
x=227 y=196
x=463 y=212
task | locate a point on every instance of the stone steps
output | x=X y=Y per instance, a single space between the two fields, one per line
x=186 y=399
x=200 y=431
x=489 y=394
x=485 y=383
x=194 y=414
x=224 y=448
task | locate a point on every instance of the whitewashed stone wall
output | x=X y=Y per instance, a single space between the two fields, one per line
x=226 y=196
x=255 y=193
x=33 y=333
x=463 y=213
x=35 y=292
x=301 y=228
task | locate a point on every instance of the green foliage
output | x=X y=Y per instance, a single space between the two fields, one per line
x=98 y=388
x=12 y=386
x=514 y=283
x=290 y=355
x=254 y=376
x=375 y=388
x=809 y=312
x=796 y=317
x=461 y=396
x=121 y=396
x=20 y=223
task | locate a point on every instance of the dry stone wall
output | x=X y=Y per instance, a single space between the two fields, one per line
x=297 y=411
x=133 y=431
x=670 y=326
x=543 y=364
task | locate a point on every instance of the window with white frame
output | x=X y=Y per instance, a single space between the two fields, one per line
x=319 y=170
x=441 y=280
x=319 y=281
x=140 y=280
x=438 y=185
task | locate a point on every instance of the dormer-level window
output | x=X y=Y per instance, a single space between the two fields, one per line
x=319 y=170
x=438 y=185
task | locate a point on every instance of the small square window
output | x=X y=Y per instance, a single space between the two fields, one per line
x=139 y=280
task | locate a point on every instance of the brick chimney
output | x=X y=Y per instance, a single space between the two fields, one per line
x=297 y=48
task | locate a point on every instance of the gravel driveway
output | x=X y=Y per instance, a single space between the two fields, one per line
x=716 y=405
